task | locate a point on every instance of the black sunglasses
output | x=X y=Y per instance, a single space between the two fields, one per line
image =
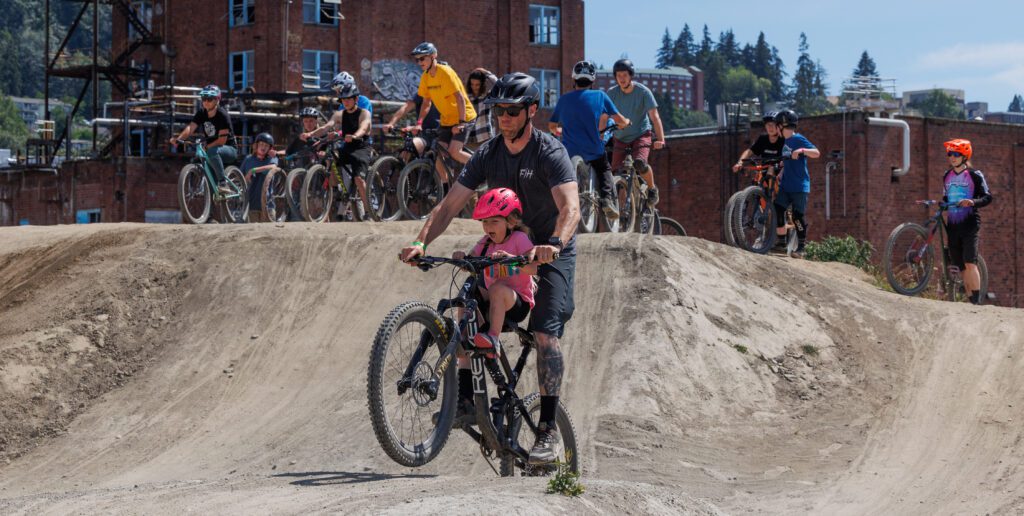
x=420 y=59
x=511 y=111
x=954 y=154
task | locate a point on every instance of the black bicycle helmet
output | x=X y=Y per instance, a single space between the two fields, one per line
x=787 y=118
x=265 y=138
x=584 y=70
x=424 y=49
x=769 y=116
x=348 y=91
x=309 y=112
x=624 y=65
x=514 y=88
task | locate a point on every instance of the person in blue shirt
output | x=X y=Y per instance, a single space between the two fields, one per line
x=579 y=118
x=255 y=167
x=795 y=182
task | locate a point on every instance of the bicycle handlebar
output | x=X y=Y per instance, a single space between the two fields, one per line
x=472 y=263
x=941 y=204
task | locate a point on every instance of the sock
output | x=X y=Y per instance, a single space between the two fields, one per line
x=465 y=384
x=548 y=406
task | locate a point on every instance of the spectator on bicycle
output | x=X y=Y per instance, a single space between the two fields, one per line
x=537 y=168
x=579 y=117
x=440 y=86
x=354 y=124
x=343 y=78
x=310 y=117
x=636 y=102
x=220 y=137
x=507 y=292
x=768 y=145
x=966 y=186
x=478 y=85
x=255 y=167
x=795 y=182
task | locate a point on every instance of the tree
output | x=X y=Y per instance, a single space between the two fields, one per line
x=13 y=130
x=686 y=119
x=683 y=48
x=940 y=105
x=865 y=67
x=705 y=49
x=1016 y=105
x=809 y=92
x=666 y=54
x=728 y=48
x=740 y=84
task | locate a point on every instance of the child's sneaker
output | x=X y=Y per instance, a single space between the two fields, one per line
x=487 y=343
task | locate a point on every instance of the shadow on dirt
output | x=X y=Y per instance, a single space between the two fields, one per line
x=327 y=478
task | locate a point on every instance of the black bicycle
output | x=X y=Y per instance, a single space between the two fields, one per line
x=412 y=387
x=420 y=187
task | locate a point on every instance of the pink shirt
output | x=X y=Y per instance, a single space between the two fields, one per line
x=516 y=244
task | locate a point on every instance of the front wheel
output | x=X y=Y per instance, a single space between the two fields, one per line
x=627 y=208
x=589 y=206
x=194 y=194
x=403 y=389
x=566 y=453
x=294 y=184
x=670 y=227
x=382 y=184
x=274 y=195
x=317 y=194
x=909 y=259
x=419 y=189
x=957 y=291
x=236 y=204
x=753 y=222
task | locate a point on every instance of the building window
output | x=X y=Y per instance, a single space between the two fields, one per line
x=550 y=86
x=318 y=68
x=144 y=12
x=241 y=73
x=321 y=12
x=689 y=98
x=544 y=25
x=243 y=12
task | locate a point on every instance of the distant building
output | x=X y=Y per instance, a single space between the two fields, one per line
x=31 y=109
x=683 y=86
x=976 y=109
x=1004 y=118
x=918 y=96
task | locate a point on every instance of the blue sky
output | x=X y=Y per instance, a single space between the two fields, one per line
x=974 y=45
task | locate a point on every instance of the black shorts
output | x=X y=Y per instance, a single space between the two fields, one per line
x=516 y=314
x=553 y=302
x=445 y=135
x=357 y=159
x=963 y=245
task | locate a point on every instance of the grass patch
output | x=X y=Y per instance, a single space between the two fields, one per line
x=844 y=250
x=810 y=350
x=740 y=347
x=565 y=482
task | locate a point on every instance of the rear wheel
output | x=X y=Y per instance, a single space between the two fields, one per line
x=194 y=194
x=566 y=451
x=274 y=195
x=908 y=259
x=317 y=194
x=730 y=207
x=753 y=222
x=236 y=204
x=669 y=227
x=294 y=185
x=382 y=182
x=402 y=406
x=648 y=221
x=419 y=189
x=589 y=206
x=956 y=291
x=627 y=209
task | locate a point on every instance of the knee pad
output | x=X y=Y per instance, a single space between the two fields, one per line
x=799 y=222
x=641 y=166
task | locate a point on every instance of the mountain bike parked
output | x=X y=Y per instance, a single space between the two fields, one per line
x=750 y=213
x=197 y=190
x=327 y=187
x=420 y=188
x=669 y=227
x=909 y=258
x=411 y=378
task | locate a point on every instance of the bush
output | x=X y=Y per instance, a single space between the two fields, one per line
x=845 y=250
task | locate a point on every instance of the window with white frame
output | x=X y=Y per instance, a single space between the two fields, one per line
x=549 y=82
x=318 y=68
x=243 y=12
x=321 y=12
x=241 y=73
x=544 y=21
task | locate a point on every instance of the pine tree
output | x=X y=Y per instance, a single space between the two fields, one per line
x=808 y=83
x=865 y=67
x=683 y=48
x=1016 y=105
x=705 y=49
x=728 y=48
x=665 y=56
x=777 y=74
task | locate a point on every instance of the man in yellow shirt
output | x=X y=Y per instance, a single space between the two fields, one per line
x=440 y=86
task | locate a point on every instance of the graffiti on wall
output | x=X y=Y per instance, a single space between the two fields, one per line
x=396 y=79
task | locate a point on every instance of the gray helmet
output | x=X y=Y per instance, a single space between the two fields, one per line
x=786 y=118
x=265 y=138
x=624 y=65
x=769 y=116
x=424 y=49
x=348 y=91
x=514 y=88
x=584 y=70
x=341 y=79
x=309 y=112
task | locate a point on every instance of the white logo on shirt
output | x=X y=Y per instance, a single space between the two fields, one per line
x=526 y=173
x=209 y=129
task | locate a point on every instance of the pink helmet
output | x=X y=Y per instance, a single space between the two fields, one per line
x=499 y=202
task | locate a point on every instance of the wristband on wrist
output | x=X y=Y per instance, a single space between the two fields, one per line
x=421 y=245
x=419 y=122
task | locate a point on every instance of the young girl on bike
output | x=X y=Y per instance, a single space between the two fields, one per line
x=966 y=187
x=508 y=291
x=255 y=167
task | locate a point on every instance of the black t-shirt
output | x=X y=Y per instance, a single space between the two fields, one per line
x=211 y=128
x=764 y=148
x=542 y=165
x=349 y=125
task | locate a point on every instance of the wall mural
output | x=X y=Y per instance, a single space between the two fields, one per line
x=396 y=79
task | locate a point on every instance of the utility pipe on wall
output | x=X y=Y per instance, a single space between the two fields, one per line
x=902 y=124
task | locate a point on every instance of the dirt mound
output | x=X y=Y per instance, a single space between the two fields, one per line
x=223 y=368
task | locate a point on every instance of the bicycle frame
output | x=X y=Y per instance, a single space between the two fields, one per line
x=935 y=224
x=203 y=158
x=494 y=432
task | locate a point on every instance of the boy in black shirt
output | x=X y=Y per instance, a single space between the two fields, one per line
x=768 y=145
x=216 y=126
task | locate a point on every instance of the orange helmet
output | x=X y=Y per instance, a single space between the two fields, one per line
x=959 y=145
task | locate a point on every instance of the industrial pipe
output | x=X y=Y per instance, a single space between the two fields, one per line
x=902 y=124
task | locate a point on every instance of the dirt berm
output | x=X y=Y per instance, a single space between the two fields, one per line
x=222 y=369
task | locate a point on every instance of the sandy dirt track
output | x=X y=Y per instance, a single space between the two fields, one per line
x=222 y=369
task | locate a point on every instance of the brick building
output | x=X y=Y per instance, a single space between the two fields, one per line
x=684 y=86
x=271 y=46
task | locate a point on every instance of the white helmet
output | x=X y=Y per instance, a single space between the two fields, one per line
x=584 y=70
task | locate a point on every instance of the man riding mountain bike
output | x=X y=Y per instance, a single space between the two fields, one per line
x=636 y=102
x=537 y=168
